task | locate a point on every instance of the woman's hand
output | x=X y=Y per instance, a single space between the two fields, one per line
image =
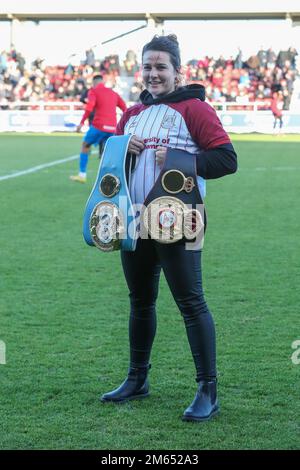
x=160 y=155
x=136 y=145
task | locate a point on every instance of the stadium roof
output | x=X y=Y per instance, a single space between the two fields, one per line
x=35 y=10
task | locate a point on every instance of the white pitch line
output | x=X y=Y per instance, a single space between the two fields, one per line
x=38 y=168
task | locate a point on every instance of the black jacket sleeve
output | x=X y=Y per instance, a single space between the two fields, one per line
x=217 y=162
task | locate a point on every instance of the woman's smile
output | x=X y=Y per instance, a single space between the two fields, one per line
x=159 y=74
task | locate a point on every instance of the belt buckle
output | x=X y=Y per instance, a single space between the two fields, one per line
x=174 y=181
x=107 y=226
x=168 y=220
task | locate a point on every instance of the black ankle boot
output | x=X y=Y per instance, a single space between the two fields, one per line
x=205 y=404
x=134 y=387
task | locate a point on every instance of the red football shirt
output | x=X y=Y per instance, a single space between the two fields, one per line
x=104 y=102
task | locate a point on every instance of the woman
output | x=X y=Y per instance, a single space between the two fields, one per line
x=176 y=117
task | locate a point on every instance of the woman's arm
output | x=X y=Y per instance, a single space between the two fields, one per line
x=212 y=163
x=216 y=162
x=218 y=157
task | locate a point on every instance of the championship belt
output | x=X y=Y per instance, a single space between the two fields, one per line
x=109 y=220
x=174 y=209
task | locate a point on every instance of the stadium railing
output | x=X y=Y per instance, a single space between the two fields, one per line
x=64 y=116
x=45 y=105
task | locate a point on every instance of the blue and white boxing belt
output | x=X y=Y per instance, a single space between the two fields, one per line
x=109 y=221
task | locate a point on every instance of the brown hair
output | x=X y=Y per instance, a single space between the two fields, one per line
x=167 y=44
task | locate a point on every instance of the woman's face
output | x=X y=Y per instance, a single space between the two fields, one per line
x=159 y=75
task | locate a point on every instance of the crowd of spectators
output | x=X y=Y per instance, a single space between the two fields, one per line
x=236 y=80
x=39 y=82
x=225 y=79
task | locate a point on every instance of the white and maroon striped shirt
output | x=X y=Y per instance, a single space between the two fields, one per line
x=191 y=125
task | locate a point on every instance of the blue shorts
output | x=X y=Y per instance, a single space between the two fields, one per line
x=94 y=136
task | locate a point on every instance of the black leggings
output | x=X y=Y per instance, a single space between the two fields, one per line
x=182 y=269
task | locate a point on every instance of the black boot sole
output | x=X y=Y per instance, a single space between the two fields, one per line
x=199 y=420
x=123 y=400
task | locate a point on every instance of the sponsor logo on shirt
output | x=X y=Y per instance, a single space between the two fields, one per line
x=168 y=122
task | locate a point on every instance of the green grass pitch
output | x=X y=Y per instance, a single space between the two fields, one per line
x=64 y=311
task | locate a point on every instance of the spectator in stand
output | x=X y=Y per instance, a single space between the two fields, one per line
x=271 y=58
x=238 y=63
x=69 y=70
x=216 y=94
x=244 y=78
x=3 y=97
x=130 y=63
x=262 y=57
x=3 y=62
x=114 y=66
x=276 y=108
x=282 y=57
x=253 y=62
x=103 y=101
x=292 y=54
x=21 y=62
x=135 y=92
x=59 y=83
x=225 y=95
x=38 y=63
x=90 y=57
x=221 y=62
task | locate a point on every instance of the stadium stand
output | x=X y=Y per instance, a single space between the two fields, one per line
x=226 y=79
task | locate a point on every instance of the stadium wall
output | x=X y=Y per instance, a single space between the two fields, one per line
x=67 y=120
x=39 y=121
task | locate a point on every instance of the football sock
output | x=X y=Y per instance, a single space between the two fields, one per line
x=83 y=161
